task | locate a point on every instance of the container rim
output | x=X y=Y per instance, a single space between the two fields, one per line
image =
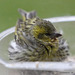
x=48 y=66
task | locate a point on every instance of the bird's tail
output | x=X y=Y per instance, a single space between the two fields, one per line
x=27 y=15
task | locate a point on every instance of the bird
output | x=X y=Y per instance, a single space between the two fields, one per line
x=36 y=39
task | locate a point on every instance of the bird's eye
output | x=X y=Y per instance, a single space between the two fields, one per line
x=47 y=34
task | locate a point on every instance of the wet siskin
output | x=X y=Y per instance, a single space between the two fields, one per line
x=36 y=39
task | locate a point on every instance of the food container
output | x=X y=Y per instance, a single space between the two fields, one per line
x=67 y=25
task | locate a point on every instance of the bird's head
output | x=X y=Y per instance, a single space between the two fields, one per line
x=46 y=34
x=44 y=31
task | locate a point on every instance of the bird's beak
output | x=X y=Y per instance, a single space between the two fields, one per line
x=55 y=35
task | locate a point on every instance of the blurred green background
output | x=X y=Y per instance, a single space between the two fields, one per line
x=44 y=8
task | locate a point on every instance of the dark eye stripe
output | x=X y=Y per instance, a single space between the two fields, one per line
x=47 y=34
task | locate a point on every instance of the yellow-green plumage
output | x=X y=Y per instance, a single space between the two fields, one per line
x=37 y=40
